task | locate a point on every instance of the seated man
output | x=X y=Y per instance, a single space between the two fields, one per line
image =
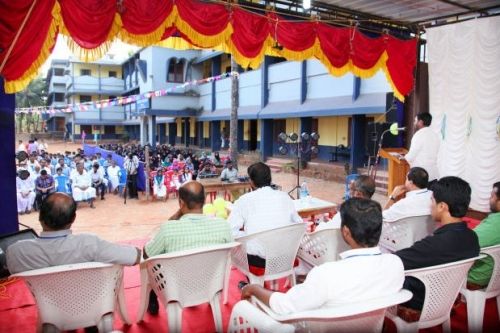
x=229 y=173
x=361 y=187
x=417 y=201
x=262 y=209
x=45 y=185
x=363 y=273
x=187 y=229
x=81 y=186
x=453 y=241
x=25 y=192
x=97 y=179
x=58 y=246
x=61 y=181
x=114 y=178
x=488 y=233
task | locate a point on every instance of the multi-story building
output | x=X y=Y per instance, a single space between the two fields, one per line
x=280 y=96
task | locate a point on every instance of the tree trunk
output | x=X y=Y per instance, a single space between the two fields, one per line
x=233 y=125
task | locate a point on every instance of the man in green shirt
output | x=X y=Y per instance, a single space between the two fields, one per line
x=488 y=232
x=188 y=228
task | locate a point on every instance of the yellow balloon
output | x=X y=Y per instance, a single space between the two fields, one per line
x=221 y=214
x=219 y=203
x=208 y=209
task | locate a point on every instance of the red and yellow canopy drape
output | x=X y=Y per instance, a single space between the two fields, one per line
x=29 y=28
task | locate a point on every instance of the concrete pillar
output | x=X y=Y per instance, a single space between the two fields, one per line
x=199 y=134
x=215 y=142
x=8 y=204
x=143 y=136
x=266 y=138
x=241 y=144
x=358 y=130
x=187 y=131
x=152 y=130
x=172 y=133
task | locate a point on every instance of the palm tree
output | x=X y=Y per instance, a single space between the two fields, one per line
x=233 y=124
x=35 y=94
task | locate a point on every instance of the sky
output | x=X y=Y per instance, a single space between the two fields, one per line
x=119 y=49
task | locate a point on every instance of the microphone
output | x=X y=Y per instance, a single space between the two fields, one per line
x=401 y=129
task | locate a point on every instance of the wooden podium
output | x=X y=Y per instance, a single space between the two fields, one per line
x=398 y=169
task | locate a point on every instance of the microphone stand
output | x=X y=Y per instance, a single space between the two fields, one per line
x=377 y=159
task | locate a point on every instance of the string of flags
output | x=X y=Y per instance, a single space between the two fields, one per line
x=122 y=100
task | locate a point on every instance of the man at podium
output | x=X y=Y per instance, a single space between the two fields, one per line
x=424 y=146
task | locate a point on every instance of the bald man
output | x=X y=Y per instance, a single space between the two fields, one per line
x=58 y=246
x=187 y=229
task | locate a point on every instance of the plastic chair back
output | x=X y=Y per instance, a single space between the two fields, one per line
x=187 y=278
x=322 y=246
x=442 y=285
x=76 y=295
x=405 y=232
x=279 y=255
x=476 y=299
x=366 y=316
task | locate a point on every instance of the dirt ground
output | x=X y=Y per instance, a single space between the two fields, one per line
x=138 y=219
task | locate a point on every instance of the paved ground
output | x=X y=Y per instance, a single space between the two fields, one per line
x=115 y=221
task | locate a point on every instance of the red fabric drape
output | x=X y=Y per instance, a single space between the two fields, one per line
x=401 y=63
x=335 y=45
x=32 y=38
x=250 y=31
x=94 y=23
x=205 y=19
x=294 y=36
x=88 y=22
x=365 y=51
x=144 y=17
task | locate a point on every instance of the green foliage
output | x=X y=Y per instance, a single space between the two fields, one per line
x=34 y=95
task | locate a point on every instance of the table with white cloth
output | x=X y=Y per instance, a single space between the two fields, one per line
x=310 y=207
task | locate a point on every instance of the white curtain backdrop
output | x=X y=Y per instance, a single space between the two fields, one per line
x=464 y=100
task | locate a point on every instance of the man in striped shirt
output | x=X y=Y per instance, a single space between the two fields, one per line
x=188 y=228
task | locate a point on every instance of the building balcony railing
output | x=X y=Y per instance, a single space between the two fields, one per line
x=90 y=84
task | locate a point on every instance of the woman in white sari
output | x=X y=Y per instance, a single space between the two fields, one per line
x=159 y=188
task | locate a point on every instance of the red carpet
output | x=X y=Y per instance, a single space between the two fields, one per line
x=18 y=311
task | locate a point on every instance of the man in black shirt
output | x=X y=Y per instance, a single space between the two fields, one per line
x=453 y=241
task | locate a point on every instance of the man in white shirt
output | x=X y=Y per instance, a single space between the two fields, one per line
x=424 y=146
x=363 y=273
x=262 y=209
x=26 y=195
x=114 y=179
x=21 y=147
x=81 y=186
x=32 y=163
x=229 y=173
x=361 y=187
x=417 y=201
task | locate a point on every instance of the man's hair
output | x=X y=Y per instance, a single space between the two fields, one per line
x=260 y=174
x=193 y=199
x=426 y=118
x=43 y=172
x=419 y=177
x=366 y=185
x=57 y=213
x=363 y=217
x=455 y=192
x=497 y=191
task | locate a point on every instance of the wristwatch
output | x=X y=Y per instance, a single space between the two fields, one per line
x=392 y=198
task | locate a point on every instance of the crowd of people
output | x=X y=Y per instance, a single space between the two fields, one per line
x=364 y=272
x=87 y=177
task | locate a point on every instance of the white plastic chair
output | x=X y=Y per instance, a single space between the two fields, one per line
x=366 y=316
x=322 y=246
x=77 y=295
x=442 y=285
x=403 y=233
x=476 y=299
x=280 y=246
x=187 y=278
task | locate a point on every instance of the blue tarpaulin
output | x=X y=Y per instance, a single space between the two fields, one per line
x=141 y=177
